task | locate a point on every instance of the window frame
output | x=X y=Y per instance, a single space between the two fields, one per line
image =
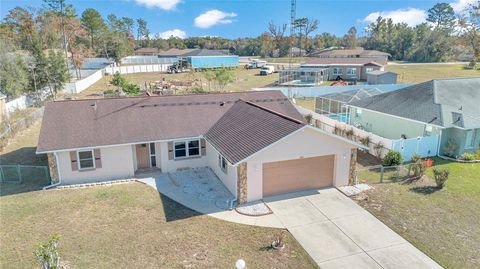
x=472 y=134
x=223 y=162
x=187 y=149
x=152 y=155
x=369 y=69
x=335 y=69
x=79 y=160
x=352 y=69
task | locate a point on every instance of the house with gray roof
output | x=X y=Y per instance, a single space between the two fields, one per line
x=449 y=108
x=256 y=142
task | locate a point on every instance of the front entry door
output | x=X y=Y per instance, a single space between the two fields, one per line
x=143 y=156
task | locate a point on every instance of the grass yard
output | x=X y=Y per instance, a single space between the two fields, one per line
x=445 y=224
x=412 y=73
x=245 y=80
x=307 y=103
x=132 y=226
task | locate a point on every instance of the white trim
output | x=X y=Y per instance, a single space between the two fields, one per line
x=187 y=148
x=150 y=154
x=93 y=160
x=399 y=117
x=118 y=145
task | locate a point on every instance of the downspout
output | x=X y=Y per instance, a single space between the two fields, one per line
x=58 y=173
x=439 y=142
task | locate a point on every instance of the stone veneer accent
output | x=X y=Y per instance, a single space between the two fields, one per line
x=242 y=183
x=353 y=167
x=52 y=166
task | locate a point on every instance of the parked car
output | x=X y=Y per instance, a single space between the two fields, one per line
x=255 y=64
x=178 y=67
x=267 y=70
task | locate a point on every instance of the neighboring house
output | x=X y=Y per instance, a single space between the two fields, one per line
x=257 y=143
x=345 y=68
x=445 y=107
x=352 y=53
x=381 y=77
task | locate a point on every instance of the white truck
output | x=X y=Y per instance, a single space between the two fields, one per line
x=255 y=64
x=267 y=70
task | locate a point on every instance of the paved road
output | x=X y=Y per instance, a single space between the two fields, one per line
x=338 y=233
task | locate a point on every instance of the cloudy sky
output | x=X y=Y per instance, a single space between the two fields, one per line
x=245 y=18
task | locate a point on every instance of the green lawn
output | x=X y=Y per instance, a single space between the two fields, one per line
x=244 y=81
x=412 y=73
x=445 y=224
x=307 y=103
x=132 y=226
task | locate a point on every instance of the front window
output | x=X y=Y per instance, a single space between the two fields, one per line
x=352 y=71
x=153 y=160
x=369 y=69
x=222 y=162
x=337 y=71
x=85 y=160
x=187 y=148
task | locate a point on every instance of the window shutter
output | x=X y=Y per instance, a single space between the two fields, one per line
x=219 y=161
x=203 y=147
x=98 y=158
x=73 y=160
x=170 y=150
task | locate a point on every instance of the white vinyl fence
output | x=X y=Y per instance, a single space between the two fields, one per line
x=425 y=146
x=80 y=85
x=137 y=69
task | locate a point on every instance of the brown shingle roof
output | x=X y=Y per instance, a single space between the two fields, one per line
x=345 y=61
x=112 y=121
x=352 y=52
x=247 y=128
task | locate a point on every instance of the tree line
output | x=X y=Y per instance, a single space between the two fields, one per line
x=37 y=46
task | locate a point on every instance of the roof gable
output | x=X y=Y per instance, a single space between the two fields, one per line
x=247 y=128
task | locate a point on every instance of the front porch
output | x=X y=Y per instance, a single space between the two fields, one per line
x=201 y=190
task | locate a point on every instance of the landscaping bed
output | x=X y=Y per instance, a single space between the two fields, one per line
x=443 y=223
x=133 y=226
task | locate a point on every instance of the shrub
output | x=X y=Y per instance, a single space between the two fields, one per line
x=365 y=140
x=131 y=89
x=450 y=148
x=118 y=80
x=339 y=130
x=393 y=157
x=378 y=148
x=441 y=176
x=477 y=154
x=197 y=90
x=468 y=156
x=417 y=166
x=308 y=118
x=47 y=254
x=349 y=133
x=279 y=239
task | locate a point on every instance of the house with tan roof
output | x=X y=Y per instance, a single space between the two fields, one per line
x=256 y=143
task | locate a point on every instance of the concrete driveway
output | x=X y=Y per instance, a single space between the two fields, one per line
x=338 y=233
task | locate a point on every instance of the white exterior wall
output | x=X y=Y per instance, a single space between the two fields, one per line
x=303 y=144
x=172 y=165
x=229 y=179
x=117 y=163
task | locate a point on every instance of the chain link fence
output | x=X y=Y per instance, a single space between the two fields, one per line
x=384 y=174
x=24 y=173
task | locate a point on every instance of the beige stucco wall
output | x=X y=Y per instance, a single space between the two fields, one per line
x=229 y=179
x=117 y=163
x=303 y=144
x=172 y=165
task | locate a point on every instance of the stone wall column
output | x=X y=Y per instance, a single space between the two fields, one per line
x=242 y=183
x=52 y=166
x=353 y=167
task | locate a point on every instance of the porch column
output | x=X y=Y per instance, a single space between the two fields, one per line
x=353 y=166
x=52 y=166
x=242 y=183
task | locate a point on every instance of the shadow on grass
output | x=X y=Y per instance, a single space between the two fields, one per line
x=32 y=179
x=426 y=190
x=175 y=211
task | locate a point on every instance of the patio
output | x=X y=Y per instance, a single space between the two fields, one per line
x=201 y=190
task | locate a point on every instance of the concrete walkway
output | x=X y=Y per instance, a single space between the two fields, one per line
x=338 y=233
x=164 y=184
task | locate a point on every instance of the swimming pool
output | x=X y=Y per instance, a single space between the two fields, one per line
x=340 y=117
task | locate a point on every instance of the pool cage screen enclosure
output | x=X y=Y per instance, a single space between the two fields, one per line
x=303 y=76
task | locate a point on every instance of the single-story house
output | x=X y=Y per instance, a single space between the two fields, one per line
x=346 y=68
x=445 y=107
x=256 y=142
x=381 y=77
x=351 y=53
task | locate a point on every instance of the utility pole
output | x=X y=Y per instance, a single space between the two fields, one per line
x=293 y=11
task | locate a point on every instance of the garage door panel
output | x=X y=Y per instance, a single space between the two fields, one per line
x=296 y=175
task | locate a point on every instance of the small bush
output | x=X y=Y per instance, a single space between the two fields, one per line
x=378 y=148
x=349 y=133
x=392 y=158
x=441 y=176
x=365 y=140
x=308 y=118
x=417 y=166
x=468 y=156
x=477 y=154
x=47 y=254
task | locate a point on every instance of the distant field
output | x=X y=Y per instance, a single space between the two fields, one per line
x=244 y=80
x=422 y=72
